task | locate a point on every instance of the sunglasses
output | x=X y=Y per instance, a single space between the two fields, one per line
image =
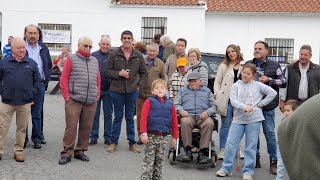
x=87 y=46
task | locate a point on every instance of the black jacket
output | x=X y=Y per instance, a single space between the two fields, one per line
x=294 y=76
x=18 y=80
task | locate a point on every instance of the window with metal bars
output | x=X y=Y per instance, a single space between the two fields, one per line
x=152 y=26
x=63 y=27
x=280 y=49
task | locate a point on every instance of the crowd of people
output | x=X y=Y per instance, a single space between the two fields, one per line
x=157 y=82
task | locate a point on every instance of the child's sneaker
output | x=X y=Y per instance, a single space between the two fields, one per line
x=221 y=173
x=246 y=177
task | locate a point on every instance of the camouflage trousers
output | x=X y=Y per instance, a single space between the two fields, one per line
x=153 y=159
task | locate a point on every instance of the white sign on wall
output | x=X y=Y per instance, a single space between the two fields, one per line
x=56 y=36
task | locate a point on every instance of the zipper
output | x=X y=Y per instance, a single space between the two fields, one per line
x=88 y=81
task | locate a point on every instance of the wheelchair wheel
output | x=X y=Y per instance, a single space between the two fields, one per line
x=213 y=161
x=171 y=158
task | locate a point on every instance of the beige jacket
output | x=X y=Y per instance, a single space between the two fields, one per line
x=222 y=86
x=155 y=71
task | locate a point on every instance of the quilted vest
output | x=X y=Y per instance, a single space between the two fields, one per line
x=160 y=115
x=83 y=79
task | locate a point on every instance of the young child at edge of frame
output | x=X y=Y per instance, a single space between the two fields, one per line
x=288 y=108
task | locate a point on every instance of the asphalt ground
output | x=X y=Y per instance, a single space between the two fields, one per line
x=123 y=164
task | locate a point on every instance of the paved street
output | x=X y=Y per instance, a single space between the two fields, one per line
x=122 y=165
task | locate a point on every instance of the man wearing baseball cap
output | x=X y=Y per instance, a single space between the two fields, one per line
x=195 y=104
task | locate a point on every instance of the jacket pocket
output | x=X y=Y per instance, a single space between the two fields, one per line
x=7 y=94
x=28 y=95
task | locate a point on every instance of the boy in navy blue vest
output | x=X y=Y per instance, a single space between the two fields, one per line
x=158 y=119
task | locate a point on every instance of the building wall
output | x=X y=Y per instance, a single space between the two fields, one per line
x=96 y=17
x=245 y=30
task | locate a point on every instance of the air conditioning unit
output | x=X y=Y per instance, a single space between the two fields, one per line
x=290 y=57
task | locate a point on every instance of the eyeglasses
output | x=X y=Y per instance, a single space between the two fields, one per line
x=87 y=46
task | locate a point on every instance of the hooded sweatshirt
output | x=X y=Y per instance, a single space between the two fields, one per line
x=253 y=93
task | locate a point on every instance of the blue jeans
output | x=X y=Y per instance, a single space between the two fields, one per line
x=121 y=100
x=37 y=119
x=280 y=166
x=225 y=125
x=105 y=99
x=268 y=131
x=236 y=132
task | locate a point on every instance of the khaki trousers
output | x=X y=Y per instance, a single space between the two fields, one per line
x=139 y=104
x=77 y=113
x=206 y=129
x=22 y=116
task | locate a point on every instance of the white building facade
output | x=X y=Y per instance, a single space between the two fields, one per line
x=208 y=30
x=100 y=17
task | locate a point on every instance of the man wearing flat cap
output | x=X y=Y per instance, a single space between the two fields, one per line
x=195 y=104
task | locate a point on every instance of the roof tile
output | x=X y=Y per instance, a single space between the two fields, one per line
x=295 y=6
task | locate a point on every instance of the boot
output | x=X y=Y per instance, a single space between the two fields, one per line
x=258 y=164
x=273 y=167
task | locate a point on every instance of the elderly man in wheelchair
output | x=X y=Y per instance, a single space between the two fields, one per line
x=195 y=104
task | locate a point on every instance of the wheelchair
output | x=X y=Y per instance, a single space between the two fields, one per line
x=212 y=155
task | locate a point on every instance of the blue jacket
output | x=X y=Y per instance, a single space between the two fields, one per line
x=18 y=81
x=160 y=54
x=46 y=61
x=7 y=50
x=102 y=59
x=195 y=102
x=160 y=115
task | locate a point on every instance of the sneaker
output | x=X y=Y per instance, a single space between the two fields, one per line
x=246 y=177
x=220 y=154
x=135 y=148
x=221 y=173
x=111 y=148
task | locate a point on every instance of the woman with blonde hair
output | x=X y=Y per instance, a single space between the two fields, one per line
x=195 y=64
x=228 y=73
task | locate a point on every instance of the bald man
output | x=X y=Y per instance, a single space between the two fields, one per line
x=80 y=86
x=19 y=83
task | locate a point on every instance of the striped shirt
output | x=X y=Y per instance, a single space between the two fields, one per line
x=176 y=82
